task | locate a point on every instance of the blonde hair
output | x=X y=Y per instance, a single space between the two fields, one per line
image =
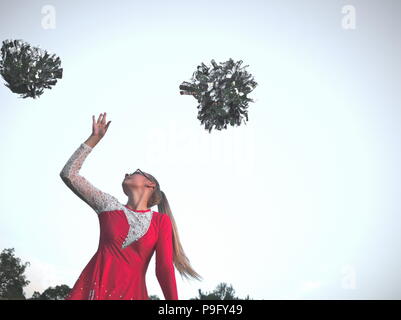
x=181 y=261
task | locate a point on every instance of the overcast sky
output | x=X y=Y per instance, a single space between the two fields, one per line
x=302 y=202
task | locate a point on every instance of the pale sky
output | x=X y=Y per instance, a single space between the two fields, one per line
x=302 y=202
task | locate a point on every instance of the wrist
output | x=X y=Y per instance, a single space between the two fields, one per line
x=93 y=140
x=95 y=137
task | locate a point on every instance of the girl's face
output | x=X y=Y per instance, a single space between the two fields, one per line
x=135 y=179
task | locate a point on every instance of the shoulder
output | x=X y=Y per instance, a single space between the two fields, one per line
x=163 y=219
x=107 y=202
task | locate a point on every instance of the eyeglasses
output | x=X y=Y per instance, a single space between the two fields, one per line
x=139 y=171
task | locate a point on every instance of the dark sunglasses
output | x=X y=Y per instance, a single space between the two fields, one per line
x=139 y=171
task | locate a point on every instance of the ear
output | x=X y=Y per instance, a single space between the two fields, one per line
x=152 y=184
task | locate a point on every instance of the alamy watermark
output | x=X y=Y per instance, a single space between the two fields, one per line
x=49 y=17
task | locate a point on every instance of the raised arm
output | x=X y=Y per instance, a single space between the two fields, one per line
x=164 y=259
x=95 y=198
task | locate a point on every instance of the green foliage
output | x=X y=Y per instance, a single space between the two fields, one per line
x=52 y=293
x=222 y=292
x=221 y=92
x=28 y=70
x=36 y=296
x=12 y=278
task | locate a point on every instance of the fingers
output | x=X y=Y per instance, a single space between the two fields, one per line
x=107 y=126
x=101 y=118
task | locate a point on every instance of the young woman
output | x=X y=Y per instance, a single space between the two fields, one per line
x=129 y=234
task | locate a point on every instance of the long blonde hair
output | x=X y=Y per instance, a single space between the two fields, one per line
x=181 y=261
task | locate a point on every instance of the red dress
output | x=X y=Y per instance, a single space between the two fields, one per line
x=128 y=239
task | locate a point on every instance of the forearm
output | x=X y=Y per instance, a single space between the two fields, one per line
x=70 y=174
x=167 y=281
x=92 y=141
x=164 y=259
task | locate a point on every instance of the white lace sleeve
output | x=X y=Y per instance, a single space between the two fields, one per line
x=95 y=198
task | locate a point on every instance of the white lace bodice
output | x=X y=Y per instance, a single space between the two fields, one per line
x=101 y=201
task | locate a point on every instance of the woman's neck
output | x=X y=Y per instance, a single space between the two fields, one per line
x=136 y=209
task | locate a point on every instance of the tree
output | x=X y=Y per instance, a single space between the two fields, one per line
x=222 y=292
x=12 y=278
x=36 y=296
x=52 y=293
x=205 y=296
x=225 y=292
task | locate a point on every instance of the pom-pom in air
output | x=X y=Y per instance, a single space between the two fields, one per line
x=221 y=91
x=28 y=70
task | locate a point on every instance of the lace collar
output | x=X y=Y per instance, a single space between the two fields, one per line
x=139 y=222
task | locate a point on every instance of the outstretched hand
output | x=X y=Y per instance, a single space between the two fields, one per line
x=99 y=128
